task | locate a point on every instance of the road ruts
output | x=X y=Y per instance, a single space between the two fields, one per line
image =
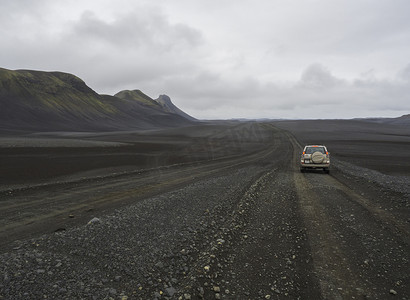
x=261 y=251
x=359 y=249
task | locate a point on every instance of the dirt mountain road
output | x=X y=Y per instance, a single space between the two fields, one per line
x=240 y=226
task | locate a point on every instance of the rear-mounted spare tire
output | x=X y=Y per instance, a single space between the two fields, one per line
x=318 y=157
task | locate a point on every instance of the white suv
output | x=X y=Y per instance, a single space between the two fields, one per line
x=315 y=157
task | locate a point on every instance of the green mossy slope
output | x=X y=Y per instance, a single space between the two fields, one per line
x=137 y=95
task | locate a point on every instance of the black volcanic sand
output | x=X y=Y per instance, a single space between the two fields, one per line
x=221 y=211
x=35 y=158
x=381 y=147
x=30 y=158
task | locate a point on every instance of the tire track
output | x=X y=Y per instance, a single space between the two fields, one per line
x=337 y=280
x=260 y=250
x=355 y=242
x=399 y=227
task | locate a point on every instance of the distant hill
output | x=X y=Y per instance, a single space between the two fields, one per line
x=168 y=106
x=402 y=121
x=137 y=95
x=39 y=101
x=163 y=103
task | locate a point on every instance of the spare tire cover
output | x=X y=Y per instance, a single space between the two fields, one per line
x=318 y=157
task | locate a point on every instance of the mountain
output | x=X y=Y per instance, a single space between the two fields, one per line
x=168 y=106
x=401 y=121
x=137 y=95
x=163 y=103
x=51 y=101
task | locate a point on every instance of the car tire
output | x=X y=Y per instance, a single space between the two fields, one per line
x=326 y=170
x=318 y=157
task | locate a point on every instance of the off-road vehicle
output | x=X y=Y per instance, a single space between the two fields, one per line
x=315 y=157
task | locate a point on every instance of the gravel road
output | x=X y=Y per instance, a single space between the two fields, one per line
x=236 y=227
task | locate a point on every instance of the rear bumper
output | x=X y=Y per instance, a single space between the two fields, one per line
x=314 y=166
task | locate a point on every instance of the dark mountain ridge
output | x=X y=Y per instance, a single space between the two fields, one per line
x=137 y=95
x=404 y=120
x=167 y=105
x=53 y=101
x=163 y=102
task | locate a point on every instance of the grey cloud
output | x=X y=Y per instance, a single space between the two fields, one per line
x=307 y=98
x=405 y=73
x=318 y=76
x=139 y=28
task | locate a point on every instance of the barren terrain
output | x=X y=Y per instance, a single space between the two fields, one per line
x=213 y=211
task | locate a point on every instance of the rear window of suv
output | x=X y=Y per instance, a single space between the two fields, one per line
x=310 y=150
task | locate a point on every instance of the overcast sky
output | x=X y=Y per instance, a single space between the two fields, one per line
x=224 y=59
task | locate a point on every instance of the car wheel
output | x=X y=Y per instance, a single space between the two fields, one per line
x=302 y=170
x=327 y=171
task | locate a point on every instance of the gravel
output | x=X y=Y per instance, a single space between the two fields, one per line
x=238 y=235
x=394 y=183
x=143 y=251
